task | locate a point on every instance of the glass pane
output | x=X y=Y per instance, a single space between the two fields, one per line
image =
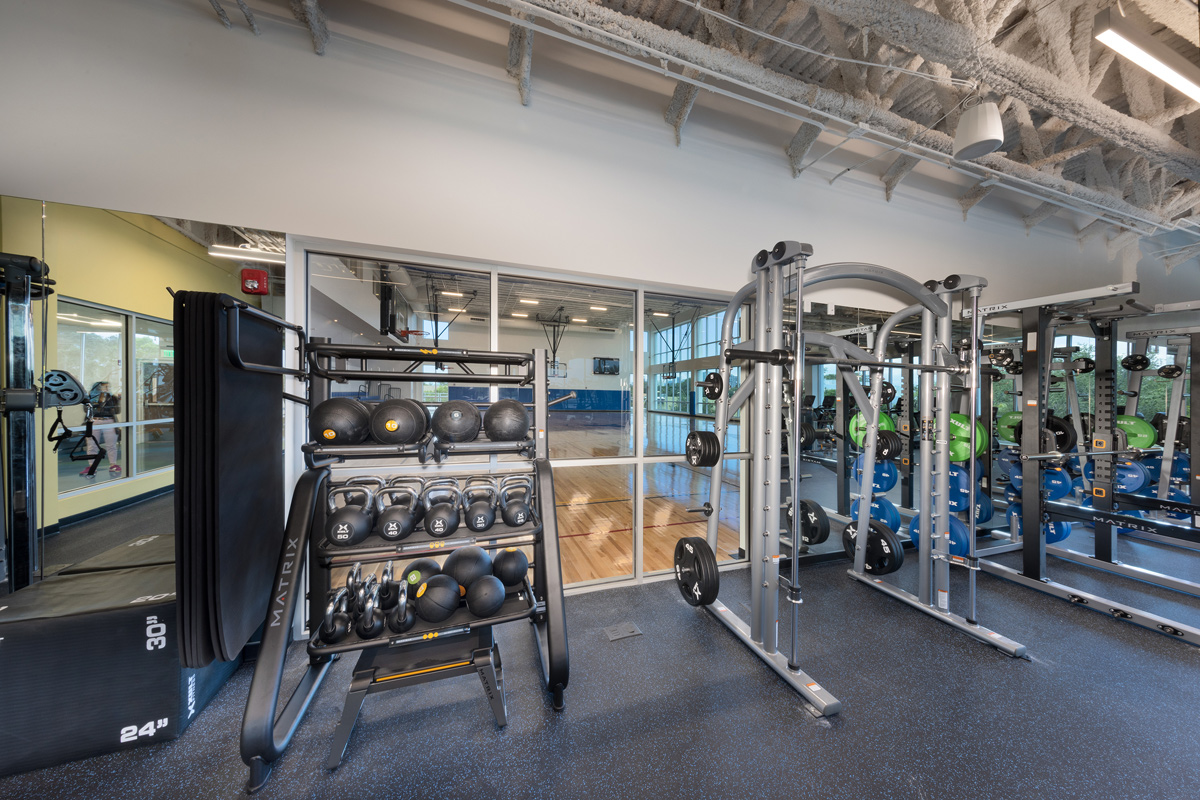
x=91 y=346
x=672 y=488
x=73 y=457
x=587 y=333
x=154 y=368
x=594 y=505
x=682 y=345
x=356 y=301
x=155 y=446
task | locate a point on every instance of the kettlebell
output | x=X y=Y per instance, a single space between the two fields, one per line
x=389 y=590
x=515 y=491
x=395 y=521
x=371 y=619
x=417 y=487
x=360 y=592
x=403 y=615
x=336 y=625
x=351 y=523
x=479 y=500
x=441 y=517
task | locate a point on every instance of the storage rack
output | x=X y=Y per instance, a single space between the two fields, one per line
x=1039 y=320
x=460 y=645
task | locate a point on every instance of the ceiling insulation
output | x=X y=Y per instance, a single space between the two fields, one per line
x=1084 y=130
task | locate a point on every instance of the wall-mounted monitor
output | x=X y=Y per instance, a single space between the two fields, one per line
x=606 y=366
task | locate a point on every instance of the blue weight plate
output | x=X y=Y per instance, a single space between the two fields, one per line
x=1077 y=486
x=1057 y=531
x=1181 y=466
x=1004 y=461
x=1136 y=476
x=1016 y=479
x=1153 y=465
x=960 y=484
x=882 y=509
x=984 y=509
x=1089 y=471
x=959 y=537
x=1178 y=497
x=914 y=529
x=1012 y=494
x=1056 y=482
x=886 y=475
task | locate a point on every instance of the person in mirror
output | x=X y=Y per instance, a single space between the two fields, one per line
x=105 y=407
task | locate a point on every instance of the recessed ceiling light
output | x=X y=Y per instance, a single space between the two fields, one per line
x=578 y=319
x=518 y=314
x=598 y=308
x=452 y=294
x=529 y=302
x=659 y=314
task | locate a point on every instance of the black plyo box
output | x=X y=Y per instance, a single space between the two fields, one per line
x=89 y=665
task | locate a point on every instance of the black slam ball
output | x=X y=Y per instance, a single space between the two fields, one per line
x=467 y=565
x=339 y=421
x=506 y=421
x=510 y=566
x=398 y=421
x=456 y=421
x=437 y=598
x=485 y=596
x=418 y=572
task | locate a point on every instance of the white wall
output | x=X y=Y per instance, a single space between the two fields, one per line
x=409 y=134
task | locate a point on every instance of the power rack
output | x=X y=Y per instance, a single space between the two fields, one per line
x=459 y=645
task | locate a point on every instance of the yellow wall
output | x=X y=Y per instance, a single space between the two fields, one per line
x=121 y=260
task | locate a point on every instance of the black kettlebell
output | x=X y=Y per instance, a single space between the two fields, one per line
x=479 y=498
x=351 y=523
x=417 y=487
x=515 y=492
x=441 y=517
x=395 y=521
x=336 y=625
x=371 y=620
x=353 y=580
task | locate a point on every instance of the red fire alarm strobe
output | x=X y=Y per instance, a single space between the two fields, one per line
x=254 y=281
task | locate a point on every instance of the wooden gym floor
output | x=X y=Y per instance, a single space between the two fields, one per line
x=594 y=504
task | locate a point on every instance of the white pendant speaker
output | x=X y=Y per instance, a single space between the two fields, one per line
x=980 y=132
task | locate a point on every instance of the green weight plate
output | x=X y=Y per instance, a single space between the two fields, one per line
x=960 y=428
x=1009 y=419
x=1139 y=432
x=858 y=426
x=1007 y=434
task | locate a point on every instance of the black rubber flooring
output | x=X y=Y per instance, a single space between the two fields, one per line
x=1102 y=709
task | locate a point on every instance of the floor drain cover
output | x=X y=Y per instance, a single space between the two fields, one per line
x=622 y=631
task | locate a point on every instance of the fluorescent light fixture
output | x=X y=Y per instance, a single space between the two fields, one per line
x=598 y=308
x=529 y=302
x=1147 y=52
x=452 y=294
x=659 y=314
x=246 y=254
x=578 y=319
x=456 y=309
x=518 y=314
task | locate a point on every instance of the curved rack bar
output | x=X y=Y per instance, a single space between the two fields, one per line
x=849 y=270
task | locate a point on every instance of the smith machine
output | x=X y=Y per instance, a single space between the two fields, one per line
x=877 y=550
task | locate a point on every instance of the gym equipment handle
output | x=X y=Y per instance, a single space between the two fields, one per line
x=233 y=324
x=774 y=357
x=705 y=509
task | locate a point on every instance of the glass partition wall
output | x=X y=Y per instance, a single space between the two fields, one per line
x=620 y=500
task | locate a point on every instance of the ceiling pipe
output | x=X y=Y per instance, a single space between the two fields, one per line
x=587 y=22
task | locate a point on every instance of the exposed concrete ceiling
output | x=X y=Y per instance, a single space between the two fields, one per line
x=1085 y=131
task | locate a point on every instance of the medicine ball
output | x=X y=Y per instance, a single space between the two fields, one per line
x=485 y=596
x=467 y=565
x=437 y=598
x=339 y=421
x=398 y=421
x=506 y=421
x=456 y=421
x=418 y=572
x=510 y=566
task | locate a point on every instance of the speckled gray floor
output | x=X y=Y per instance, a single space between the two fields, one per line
x=1102 y=710
x=89 y=538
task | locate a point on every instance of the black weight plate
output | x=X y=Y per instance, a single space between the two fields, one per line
x=887 y=393
x=1083 y=365
x=1170 y=371
x=884 y=554
x=702 y=448
x=814 y=522
x=1015 y=368
x=712 y=388
x=696 y=571
x=1135 y=362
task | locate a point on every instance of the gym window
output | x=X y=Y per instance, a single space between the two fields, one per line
x=126 y=363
